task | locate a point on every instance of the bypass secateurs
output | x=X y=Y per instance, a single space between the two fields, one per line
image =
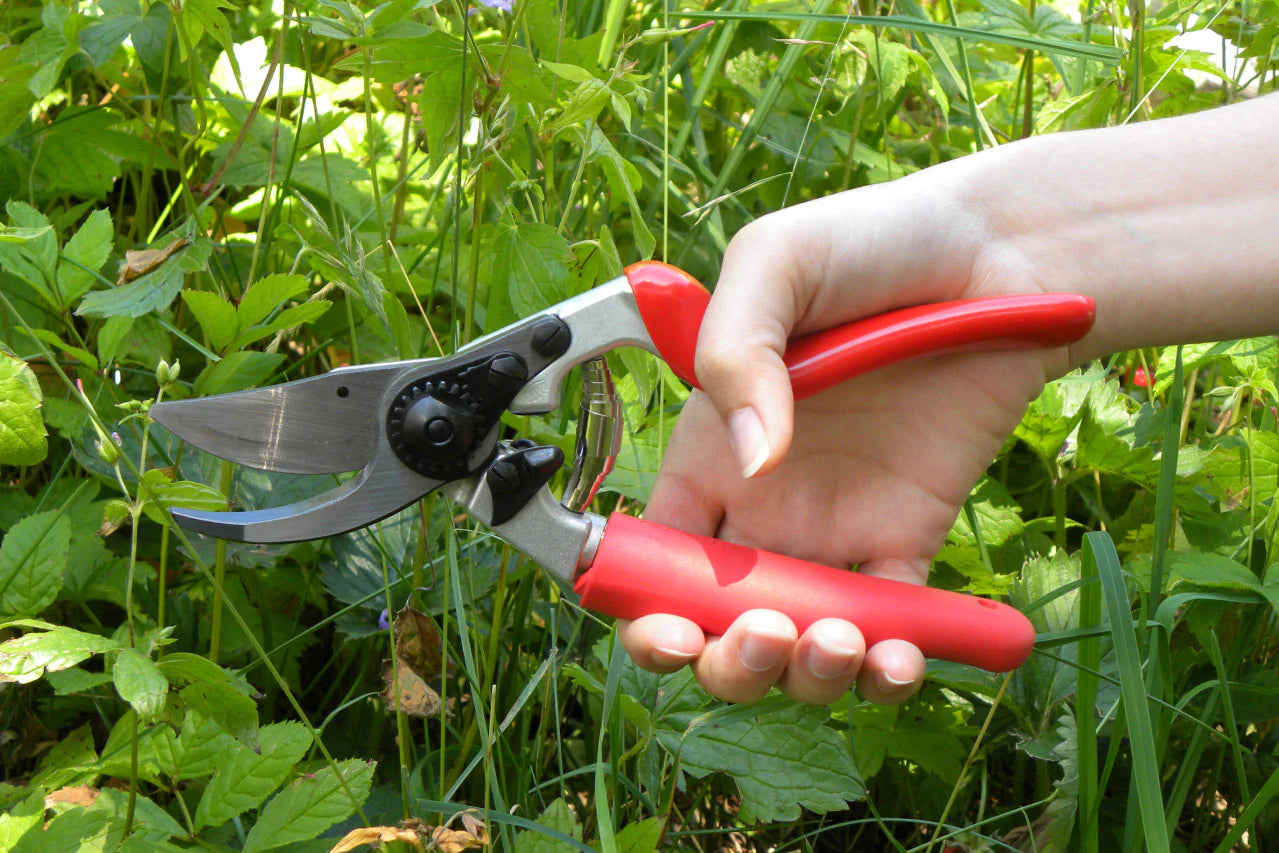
x=412 y=427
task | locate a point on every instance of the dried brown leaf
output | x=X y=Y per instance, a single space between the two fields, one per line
x=457 y=840
x=78 y=795
x=415 y=697
x=139 y=262
x=418 y=643
x=368 y=835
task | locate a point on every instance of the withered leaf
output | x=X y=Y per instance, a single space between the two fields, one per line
x=77 y=795
x=456 y=840
x=376 y=835
x=139 y=262
x=416 y=697
x=418 y=643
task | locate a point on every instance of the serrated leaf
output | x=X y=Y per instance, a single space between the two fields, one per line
x=247 y=778
x=438 y=104
x=26 y=658
x=1211 y=570
x=22 y=235
x=153 y=290
x=557 y=817
x=531 y=262
x=22 y=435
x=311 y=805
x=202 y=745
x=215 y=315
x=781 y=757
x=215 y=693
x=183 y=493
x=297 y=315
x=84 y=255
x=641 y=837
x=32 y=559
x=267 y=294
x=238 y=371
x=140 y=683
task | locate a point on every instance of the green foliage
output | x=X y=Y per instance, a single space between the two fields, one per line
x=207 y=196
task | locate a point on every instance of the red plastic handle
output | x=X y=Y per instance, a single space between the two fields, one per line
x=672 y=303
x=643 y=568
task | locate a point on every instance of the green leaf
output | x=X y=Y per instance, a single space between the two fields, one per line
x=782 y=757
x=84 y=255
x=32 y=559
x=24 y=659
x=441 y=119
x=140 y=683
x=1054 y=414
x=267 y=294
x=1212 y=570
x=183 y=493
x=558 y=818
x=22 y=435
x=641 y=837
x=153 y=291
x=531 y=263
x=247 y=778
x=201 y=748
x=623 y=179
x=297 y=315
x=213 y=692
x=239 y=370
x=21 y=235
x=311 y=805
x=216 y=316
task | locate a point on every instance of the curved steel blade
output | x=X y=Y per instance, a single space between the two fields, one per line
x=384 y=488
x=323 y=425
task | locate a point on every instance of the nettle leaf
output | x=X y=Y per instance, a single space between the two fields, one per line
x=215 y=315
x=531 y=263
x=267 y=294
x=215 y=693
x=140 y=683
x=32 y=559
x=1053 y=415
x=311 y=805
x=238 y=371
x=782 y=757
x=297 y=315
x=560 y=820
x=438 y=104
x=183 y=493
x=154 y=290
x=201 y=747
x=245 y=780
x=22 y=434
x=24 y=659
x=84 y=255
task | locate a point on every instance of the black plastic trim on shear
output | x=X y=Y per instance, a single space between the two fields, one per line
x=440 y=417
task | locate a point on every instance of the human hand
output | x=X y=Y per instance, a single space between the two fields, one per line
x=870 y=473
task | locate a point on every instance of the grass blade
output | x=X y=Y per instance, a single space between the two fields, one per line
x=1099 y=551
x=1101 y=53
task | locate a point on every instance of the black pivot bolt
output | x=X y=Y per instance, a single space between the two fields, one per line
x=504 y=477
x=506 y=373
x=439 y=428
x=551 y=337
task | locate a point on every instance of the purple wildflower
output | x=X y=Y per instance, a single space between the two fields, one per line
x=384 y=621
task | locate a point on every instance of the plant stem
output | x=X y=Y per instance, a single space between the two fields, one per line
x=219 y=571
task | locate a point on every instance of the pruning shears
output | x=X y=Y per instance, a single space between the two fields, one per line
x=411 y=427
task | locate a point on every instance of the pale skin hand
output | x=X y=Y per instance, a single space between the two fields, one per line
x=873 y=473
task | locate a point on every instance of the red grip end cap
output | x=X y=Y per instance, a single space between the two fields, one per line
x=671 y=303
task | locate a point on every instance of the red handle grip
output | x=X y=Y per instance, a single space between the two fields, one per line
x=643 y=568
x=672 y=303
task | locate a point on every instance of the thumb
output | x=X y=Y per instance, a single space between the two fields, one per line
x=762 y=291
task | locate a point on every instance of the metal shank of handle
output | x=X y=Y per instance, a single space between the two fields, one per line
x=642 y=568
x=672 y=304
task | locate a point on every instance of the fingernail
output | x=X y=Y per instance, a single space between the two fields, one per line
x=829 y=660
x=889 y=684
x=750 y=442
x=671 y=657
x=762 y=652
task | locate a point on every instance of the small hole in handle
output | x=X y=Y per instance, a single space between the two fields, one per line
x=343 y=391
x=988 y=604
